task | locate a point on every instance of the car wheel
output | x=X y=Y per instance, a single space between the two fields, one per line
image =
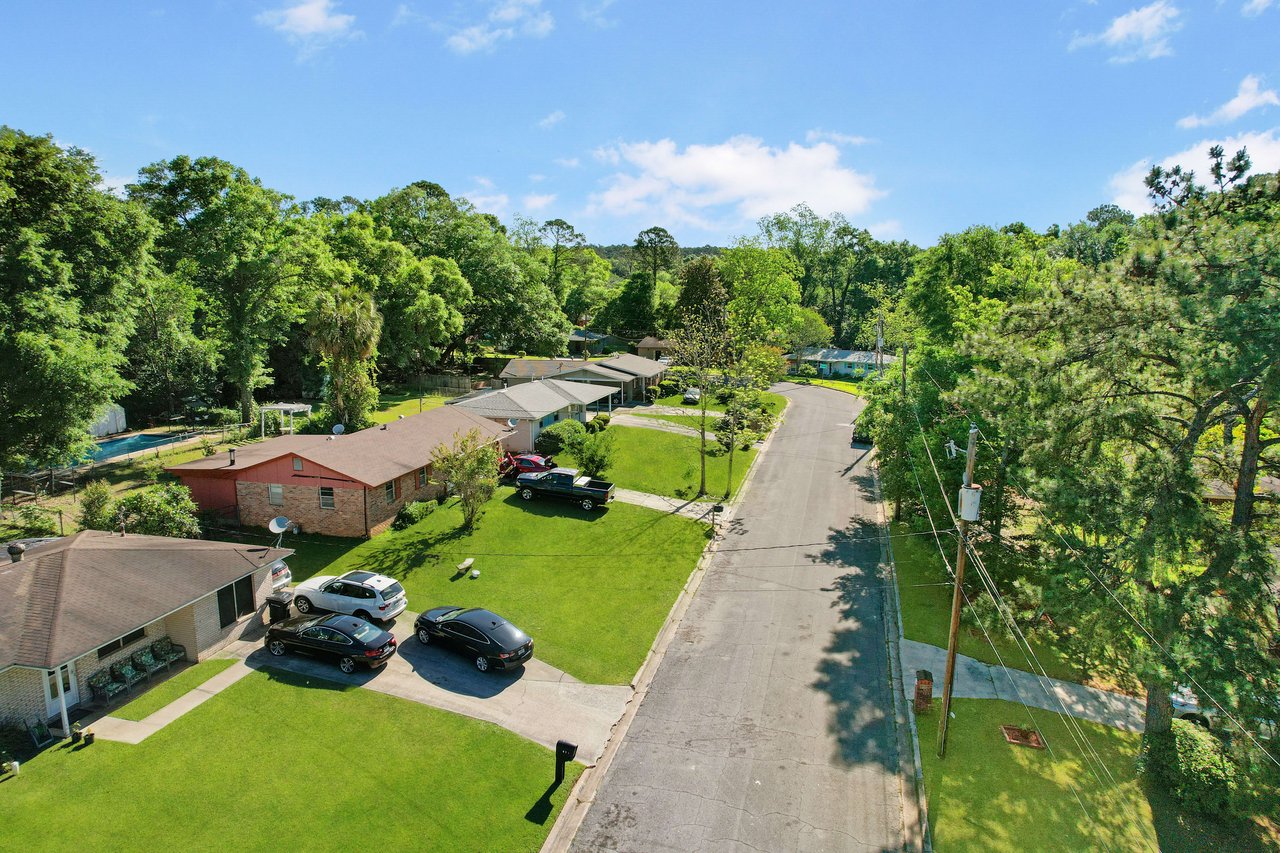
x=424 y=636
x=363 y=614
x=526 y=494
x=482 y=663
x=347 y=665
x=277 y=647
x=588 y=504
x=303 y=604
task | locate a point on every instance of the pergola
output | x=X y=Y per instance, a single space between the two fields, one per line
x=290 y=409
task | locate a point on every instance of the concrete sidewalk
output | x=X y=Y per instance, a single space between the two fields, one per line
x=136 y=731
x=689 y=509
x=978 y=680
x=658 y=424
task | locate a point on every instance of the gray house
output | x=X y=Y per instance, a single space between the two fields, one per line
x=533 y=406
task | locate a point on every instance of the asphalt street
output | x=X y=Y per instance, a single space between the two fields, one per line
x=769 y=724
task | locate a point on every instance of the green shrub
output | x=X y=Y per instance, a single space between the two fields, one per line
x=36 y=521
x=552 y=439
x=1194 y=768
x=667 y=387
x=221 y=417
x=652 y=393
x=151 y=468
x=411 y=513
x=96 y=510
x=594 y=453
x=806 y=371
x=208 y=446
x=599 y=423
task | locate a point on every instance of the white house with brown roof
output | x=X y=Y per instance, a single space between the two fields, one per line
x=629 y=373
x=533 y=406
x=71 y=608
x=343 y=485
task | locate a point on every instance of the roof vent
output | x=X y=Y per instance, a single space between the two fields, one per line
x=231 y=455
x=16 y=550
x=384 y=426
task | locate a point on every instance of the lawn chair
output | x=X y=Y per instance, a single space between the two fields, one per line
x=124 y=671
x=146 y=662
x=105 y=688
x=40 y=734
x=165 y=649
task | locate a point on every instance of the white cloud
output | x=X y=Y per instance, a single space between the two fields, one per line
x=889 y=229
x=506 y=20
x=1128 y=191
x=483 y=182
x=1139 y=34
x=406 y=14
x=537 y=178
x=1255 y=7
x=115 y=184
x=568 y=162
x=735 y=181
x=311 y=24
x=538 y=202
x=551 y=120
x=1250 y=96
x=594 y=13
x=495 y=203
x=819 y=135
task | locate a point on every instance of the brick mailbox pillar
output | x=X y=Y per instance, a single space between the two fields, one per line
x=924 y=690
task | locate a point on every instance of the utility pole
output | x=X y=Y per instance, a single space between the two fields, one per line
x=970 y=496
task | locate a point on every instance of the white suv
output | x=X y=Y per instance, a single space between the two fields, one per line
x=362 y=594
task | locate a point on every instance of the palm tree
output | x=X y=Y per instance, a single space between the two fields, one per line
x=344 y=327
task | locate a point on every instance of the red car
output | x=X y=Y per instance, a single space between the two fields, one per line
x=513 y=465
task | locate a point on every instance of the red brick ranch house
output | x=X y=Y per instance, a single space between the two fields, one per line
x=339 y=485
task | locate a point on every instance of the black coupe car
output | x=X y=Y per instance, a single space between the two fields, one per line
x=486 y=637
x=351 y=641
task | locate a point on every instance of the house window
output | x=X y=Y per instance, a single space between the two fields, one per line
x=235 y=600
x=390 y=490
x=275 y=494
x=116 y=645
x=422 y=478
x=326 y=497
x=297 y=464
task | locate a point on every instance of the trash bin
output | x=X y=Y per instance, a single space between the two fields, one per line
x=278 y=605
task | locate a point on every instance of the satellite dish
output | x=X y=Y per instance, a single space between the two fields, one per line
x=338 y=429
x=513 y=423
x=279 y=524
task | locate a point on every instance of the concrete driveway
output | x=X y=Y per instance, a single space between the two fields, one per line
x=770 y=723
x=537 y=701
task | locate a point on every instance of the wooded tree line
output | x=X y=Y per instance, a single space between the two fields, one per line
x=1123 y=374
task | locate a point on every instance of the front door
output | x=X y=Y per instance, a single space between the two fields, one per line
x=70 y=688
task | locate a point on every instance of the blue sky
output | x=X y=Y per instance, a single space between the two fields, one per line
x=913 y=119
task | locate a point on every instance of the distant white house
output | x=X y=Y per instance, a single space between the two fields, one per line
x=840 y=362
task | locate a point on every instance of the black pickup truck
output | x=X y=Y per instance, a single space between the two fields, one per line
x=565 y=483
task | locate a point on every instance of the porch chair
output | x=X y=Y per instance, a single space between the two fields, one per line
x=40 y=734
x=124 y=671
x=146 y=662
x=105 y=688
x=165 y=649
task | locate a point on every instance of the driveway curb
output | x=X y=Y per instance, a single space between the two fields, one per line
x=588 y=784
x=914 y=797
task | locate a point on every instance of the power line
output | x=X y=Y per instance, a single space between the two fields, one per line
x=1200 y=690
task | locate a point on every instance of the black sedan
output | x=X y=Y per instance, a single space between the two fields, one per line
x=351 y=641
x=488 y=639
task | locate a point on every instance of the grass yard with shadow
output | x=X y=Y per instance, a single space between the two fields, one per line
x=271 y=763
x=667 y=463
x=172 y=688
x=392 y=406
x=988 y=795
x=591 y=588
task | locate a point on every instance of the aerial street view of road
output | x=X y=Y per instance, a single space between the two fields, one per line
x=770 y=722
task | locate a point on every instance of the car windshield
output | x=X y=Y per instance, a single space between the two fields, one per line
x=365 y=632
x=393 y=591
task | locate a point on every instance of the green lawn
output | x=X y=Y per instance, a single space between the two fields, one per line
x=256 y=769
x=988 y=795
x=168 y=690
x=392 y=406
x=667 y=463
x=925 y=591
x=312 y=553
x=591 y=588
x=848 y=386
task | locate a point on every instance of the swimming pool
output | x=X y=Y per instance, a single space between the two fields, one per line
x=114 y=447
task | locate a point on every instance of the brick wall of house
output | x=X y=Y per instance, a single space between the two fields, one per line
x=87 y=665
x=21 y=695
x=381 y=513
x=302 y=504
x=181 y=628
x=210 y=637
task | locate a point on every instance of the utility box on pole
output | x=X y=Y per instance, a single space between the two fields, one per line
x=924 y=690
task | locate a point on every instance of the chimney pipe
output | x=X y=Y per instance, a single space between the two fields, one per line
x=16 y=550
x=231 y=454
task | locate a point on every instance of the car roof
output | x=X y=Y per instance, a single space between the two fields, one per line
x=372 y=579
x=477 y=618
x=342 y=622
